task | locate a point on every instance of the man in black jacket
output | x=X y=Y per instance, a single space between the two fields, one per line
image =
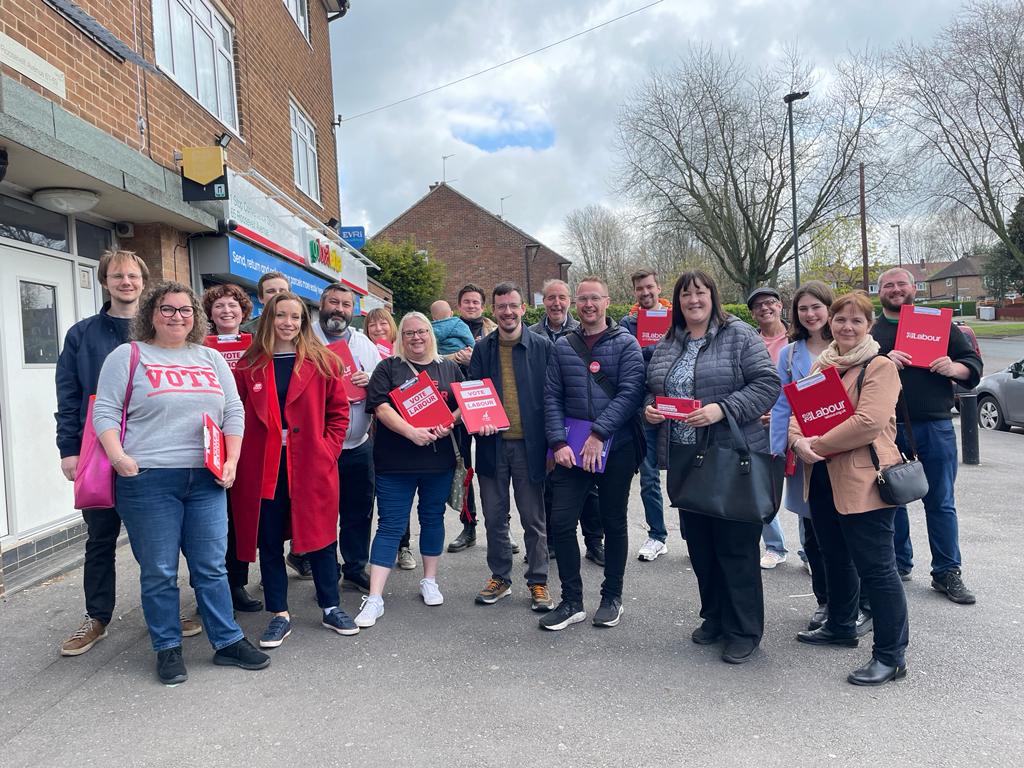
x=928 y=395
x=515 y=361
x=86 y=346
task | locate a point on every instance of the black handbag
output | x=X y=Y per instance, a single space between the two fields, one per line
x=901 y=483
x=730 y=482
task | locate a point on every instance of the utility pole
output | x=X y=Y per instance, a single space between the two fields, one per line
x=863 y=228
x=899 y=242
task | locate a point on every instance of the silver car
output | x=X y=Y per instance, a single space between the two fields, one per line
x=1001 y=398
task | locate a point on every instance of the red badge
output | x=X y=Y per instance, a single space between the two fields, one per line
x=257 y=387
x=595 y=366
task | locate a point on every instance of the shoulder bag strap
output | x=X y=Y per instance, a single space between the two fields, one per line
x=908 y=427
x=789 y=361
x=133 y=364
x=455 y=443
x=600 y=377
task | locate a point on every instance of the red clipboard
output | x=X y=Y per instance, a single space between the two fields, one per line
x=923 y=333
x=479 y=405
x=420 y=404
x=353 y=392
x=231 y=346
x=819 y=401
x=213 y=447
x=385 y=348
x=652 y=325
x=675 y=407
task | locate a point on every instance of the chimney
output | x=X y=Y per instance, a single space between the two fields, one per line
x=922 y=262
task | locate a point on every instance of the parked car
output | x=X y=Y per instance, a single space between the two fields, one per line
x=972 y=337
x=1001 y=398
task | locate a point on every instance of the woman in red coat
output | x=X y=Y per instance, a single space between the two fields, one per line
x=296 y=414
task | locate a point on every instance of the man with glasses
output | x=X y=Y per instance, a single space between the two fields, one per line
x=515 y=362
x=554 y=325
x=928 y=395
x=765 y=304
x=123 y=276
x=594 y=384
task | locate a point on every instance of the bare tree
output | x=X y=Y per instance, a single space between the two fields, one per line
x=704 y=149
x=963 y=96
x=599 y=243
x=944 y=235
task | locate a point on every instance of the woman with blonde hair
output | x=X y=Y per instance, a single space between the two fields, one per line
x=381 y=329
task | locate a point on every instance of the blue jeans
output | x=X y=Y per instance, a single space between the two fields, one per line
x=774 y=541
x=167 y=511
x=395 y=491
x=936 y=442
x=650 y=488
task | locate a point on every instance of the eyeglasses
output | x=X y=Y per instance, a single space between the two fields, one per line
x=506 y=307
x=590 y=298
x=422 y=332
x=119 y=276
x=766 y=303
x=168 y=311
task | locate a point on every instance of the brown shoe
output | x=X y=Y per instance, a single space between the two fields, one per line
x=493 y=591
x=85 y=637
x=190 y=627
x=542 y=601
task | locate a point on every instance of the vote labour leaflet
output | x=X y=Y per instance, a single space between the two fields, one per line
x=231 y=346
x=479 y=405
x=652 y=325
x=819 y=401
x=213 y=447
x=675 y=407
x=923 y=333
x=385 y=348
x=419 y=402
x=354 y=393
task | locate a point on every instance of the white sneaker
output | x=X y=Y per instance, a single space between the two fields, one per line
x=652 y=549
x=431 y=594
x=770 y=559
x=371 y=609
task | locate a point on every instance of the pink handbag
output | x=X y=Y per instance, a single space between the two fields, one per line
x=94 y=479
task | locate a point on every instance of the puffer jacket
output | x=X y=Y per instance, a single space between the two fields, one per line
x=733 y=369
x=570 y=390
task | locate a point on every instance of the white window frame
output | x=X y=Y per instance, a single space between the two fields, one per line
x=299 y=11
x=949 y=282
x=209 y=23
x=305 y=163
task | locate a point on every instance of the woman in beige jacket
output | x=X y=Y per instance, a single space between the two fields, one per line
x=854 y=526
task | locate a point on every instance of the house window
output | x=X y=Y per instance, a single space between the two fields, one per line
x=193 y=45
x=873 y=289
x=304 y=164
x=921 y=286
x=949 y=282
x=299 y=11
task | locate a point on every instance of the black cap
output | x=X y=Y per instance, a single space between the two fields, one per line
x=764 y=290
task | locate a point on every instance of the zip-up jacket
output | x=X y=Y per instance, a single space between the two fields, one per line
x=570 y=389
x=732 y=369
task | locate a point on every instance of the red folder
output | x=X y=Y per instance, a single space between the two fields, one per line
x=213 y=447
x=385 y=348
x=923 y=333
x=652 y=325
x=232 y=346
x=354 y=393
x=479 y=405
x=420 y=403
x=819 y=401
x=675 y=407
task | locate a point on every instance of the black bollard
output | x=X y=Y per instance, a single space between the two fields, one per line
x=969 y=427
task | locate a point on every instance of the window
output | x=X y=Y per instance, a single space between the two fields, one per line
x=299 y=11
x=38 y=323
x=91 y=241
x=31 y=224
x=921 y=286
x=873 y=289
x=193 y=44
x=304 y=164
x=949 y=282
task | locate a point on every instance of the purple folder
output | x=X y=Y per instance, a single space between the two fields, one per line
x=576 y=433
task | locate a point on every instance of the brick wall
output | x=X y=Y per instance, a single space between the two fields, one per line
x=475 y=245
x=272 y=61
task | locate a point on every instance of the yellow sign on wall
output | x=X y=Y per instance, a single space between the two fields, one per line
x=202 y=164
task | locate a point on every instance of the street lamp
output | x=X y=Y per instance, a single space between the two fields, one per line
x=788 y=99
x=899 y=241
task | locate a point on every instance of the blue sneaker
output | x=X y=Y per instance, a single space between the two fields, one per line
x=278 y=629
x=340 y=622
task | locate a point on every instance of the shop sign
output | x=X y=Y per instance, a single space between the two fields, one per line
x=37 y=69
x=325 y=256
x=250 y=263
x=251 y=208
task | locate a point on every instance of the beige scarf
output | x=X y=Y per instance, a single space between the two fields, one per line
x=860 y=354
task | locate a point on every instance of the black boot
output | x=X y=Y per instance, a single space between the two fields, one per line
x=244 y=602
x=464 y=540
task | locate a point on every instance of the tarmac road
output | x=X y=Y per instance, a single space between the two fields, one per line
x=465 y=685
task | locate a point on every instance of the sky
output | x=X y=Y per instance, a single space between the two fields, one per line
x=541 y=132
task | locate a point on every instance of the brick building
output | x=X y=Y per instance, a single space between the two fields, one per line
x=475 y=245
x=100 y=102
x=961 y=280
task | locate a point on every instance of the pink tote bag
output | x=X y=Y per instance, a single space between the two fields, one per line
x=94 y=479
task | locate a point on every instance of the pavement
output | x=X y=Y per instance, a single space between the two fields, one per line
x=997 y=354
x=469 y=685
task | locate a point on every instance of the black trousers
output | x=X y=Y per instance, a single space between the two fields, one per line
x=238 y=570
x=859 y=555
x=570 y=489
x=99 y=579
x=355 y=507
x=726 y=556
x=590 y=518
x=819 y=582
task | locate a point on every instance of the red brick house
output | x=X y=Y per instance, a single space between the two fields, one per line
x=962 y=279
x=475 y=245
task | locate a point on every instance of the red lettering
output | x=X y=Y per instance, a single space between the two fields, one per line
x=154 y=377
x=194 y=375
x=211 y=377
x=174 y=378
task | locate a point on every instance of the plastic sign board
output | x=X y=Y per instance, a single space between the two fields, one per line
x=819 y=401
x=355 y=393
x=652 y=325
x=479 y=405
x=385 y=348
x=923 y=333
x=419 y=402
x=213 y=447
x=354 y=236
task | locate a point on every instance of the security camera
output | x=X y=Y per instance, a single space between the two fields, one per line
x=124 y=229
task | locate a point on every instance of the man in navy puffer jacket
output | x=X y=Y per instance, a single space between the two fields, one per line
x=571 y=391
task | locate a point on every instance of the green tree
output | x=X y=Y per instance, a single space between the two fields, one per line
x=1003 y=272
x=413 y=277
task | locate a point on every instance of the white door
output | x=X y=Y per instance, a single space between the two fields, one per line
x=37 y=306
